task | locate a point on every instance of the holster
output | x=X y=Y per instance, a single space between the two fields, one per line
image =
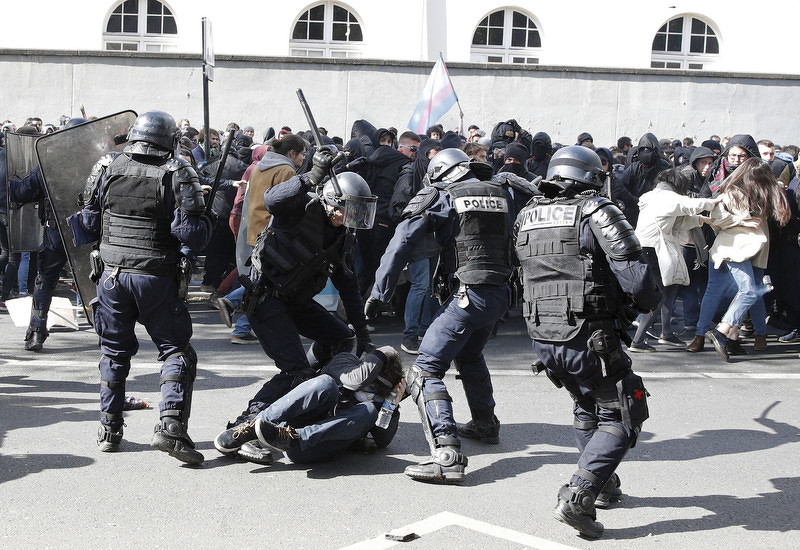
x=96 y=265
x=604 y=341
x=183 y=275
x=254 y=294
x=633 y=403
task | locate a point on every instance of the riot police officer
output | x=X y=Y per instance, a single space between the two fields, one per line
x=311 y=238
x=469 y=219
x=581 y=267
x=51 y=256
x=142 y=204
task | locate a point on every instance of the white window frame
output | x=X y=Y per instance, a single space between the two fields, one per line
x=685 y=59
x=506 y=53
x=141 y=40
x=327 y=47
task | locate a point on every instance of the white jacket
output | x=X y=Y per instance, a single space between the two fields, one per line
x=665 y=218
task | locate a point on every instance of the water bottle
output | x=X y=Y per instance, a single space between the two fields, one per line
x=767 y=282
x=385 y=414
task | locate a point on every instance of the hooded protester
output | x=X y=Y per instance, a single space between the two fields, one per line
x=640 y=176
x=740 y=148
x=514 y=161
x=383 y=170
x=541 y=151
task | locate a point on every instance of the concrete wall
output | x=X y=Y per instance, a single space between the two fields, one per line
x=260 y=91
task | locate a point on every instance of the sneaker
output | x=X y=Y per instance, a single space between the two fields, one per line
x=488 y=432
x=651 y=334
x=718 y=340
x=672 y=340
x=255 y=452
x=746 y=331
x=226 y=309
x=788 y=337
x=279 y=438
x=249 y=338
x=3 y=306
x=232 y=439
x=644 y=347
x=134 y=403
x=410 y=345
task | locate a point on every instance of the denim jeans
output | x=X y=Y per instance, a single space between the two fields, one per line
x=242 y=327
x=420 y=306
x=308 y=408
x=721 y=285
x=750 y=287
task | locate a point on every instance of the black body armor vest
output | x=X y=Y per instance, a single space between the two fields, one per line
x=136 y=223
x=483 y=243
x=296 y=262
x=560 y=291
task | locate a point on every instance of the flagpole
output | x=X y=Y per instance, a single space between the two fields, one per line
x=460 y=112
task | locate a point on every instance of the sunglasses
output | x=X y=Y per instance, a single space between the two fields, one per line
x=410 y=147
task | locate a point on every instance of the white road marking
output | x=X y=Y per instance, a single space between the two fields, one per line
x=446 y=519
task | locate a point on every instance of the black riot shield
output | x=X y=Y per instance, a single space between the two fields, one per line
x=66 y=158
x=24 y=226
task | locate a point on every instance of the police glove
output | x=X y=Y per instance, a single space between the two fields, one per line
x=372 y=307
x=322 y=160
x=363 y=341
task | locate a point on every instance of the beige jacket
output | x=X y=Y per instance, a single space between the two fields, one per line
x=735 y=242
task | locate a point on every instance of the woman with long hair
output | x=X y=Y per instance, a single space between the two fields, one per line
x=751 y=196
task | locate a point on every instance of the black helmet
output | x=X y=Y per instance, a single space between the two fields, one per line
x=73 y=122
x=157 y=128
x=356 y=201
x=575 y=164
x=448 y=165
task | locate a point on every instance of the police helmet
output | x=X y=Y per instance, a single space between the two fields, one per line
x=157 y=128
x=448 y=165
x=575 y=164
x=356 y=201
x=73 y=122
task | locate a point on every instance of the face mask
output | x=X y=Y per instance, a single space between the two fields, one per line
x=647 y=157
x=539 y=151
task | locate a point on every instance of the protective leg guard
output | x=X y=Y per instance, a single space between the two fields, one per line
x=610 y=494
x=415 y=380
x=575 y=507
x=481 y=430
x=109 y=434
x=446 y=465
x=170 y=437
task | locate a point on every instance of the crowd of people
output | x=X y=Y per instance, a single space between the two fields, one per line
x=590 y=242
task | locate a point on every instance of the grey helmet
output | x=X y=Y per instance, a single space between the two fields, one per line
x=575 y=164
x=448 y=165
x=356 y=201
x=156 y=128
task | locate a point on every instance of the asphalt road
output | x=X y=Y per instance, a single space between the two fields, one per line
x=716 y=465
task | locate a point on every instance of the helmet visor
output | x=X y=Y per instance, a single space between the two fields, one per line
x=359 y=212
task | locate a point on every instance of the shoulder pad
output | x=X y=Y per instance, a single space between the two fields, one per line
x=593 y=204
x=175 y=164
x=517 y=183
x=93 y=180
x=612 y=230
x=420 y=202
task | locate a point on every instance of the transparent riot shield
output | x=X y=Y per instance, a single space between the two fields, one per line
x=24 y=227
x=66 y=158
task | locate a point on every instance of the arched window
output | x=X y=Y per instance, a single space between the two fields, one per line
x=685 y=42
x=141 y=26
x=506 y=36
x=327 y=29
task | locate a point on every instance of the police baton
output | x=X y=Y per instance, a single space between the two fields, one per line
x=218 y=175
x=317 y=137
